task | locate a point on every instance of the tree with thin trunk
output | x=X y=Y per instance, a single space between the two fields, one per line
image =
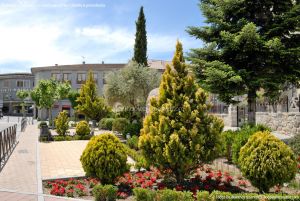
x=140 y=45
x=248 y=46
x=22 y=94
x=178 y=133
x=47 y=92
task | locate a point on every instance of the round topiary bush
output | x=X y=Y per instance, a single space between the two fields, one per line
x=82 y=128
x=120 y=124
x=266 y=161
x=106 y=123
x=104 y=157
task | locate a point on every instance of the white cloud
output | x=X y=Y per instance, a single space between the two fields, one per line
x=40 y=38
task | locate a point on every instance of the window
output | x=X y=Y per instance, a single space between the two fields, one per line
x=104 y=77
x=80 y=78
x=20 y=83
x=26 y=84
x=95 y=75
x=23 y=83
x=67 y=77
x=6 y=83
x=55 y=76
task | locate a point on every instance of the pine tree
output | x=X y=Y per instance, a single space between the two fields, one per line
x=89 y=103
x=249 y=45
x=140 y=46
x=178 y=133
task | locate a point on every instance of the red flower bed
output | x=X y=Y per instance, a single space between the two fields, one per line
x=202 y=179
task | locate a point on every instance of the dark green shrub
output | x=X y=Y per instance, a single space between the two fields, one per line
x=266 y=161
x=105 y=193
x=82 y=137
x=62 y=123
x=172 y=195
x=294 y=143
x=62 y=138
x=133 y=129
x=242 y=137
x=82 y=128
x=227 y=139
x=142 y=194
x=106 y=123
x=104 y=157
x=119 y=124
x=203 y=196
x=133 y=142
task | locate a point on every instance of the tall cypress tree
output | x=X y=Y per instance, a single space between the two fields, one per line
x=140 y=46
x=249 y=45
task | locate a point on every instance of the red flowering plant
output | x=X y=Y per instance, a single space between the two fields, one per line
x=57 y=190
x=70 y=192
x=80 y=190
x=122 y=195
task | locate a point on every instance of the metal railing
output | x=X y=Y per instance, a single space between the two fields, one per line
x=8 y=141
x=23 y=124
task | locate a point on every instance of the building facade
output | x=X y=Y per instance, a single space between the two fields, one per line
x=76 y=76
x=10 y=104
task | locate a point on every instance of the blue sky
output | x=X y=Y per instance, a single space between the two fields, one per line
x=43 y=33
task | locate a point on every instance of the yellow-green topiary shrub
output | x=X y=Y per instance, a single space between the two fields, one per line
x=62 y=123
x=82 y=128
x=104 y=157
x=266 y=161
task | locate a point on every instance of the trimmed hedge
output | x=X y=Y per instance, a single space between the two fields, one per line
x=104 y=157
x=105 y=193
x=106 y=123
x=172 y=195
x=82 y=128
x=266 y=161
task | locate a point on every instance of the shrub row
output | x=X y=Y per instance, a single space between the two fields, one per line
x=172 y=195
x=233 y=141
x=121 y=125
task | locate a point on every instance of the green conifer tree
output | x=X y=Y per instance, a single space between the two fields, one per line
x=249 y=45
x=89 y=103
x=140 y=46
x=178 y=133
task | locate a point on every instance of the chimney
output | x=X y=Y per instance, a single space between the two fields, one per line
x=83 y=62
x=102 y=62
x=56 y=64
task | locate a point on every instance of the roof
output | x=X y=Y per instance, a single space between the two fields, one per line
x=15 y=75
x=78 y=67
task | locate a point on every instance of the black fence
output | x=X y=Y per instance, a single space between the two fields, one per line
x=8 y=141
x=23 y=124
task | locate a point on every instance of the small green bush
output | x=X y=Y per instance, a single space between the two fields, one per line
x=82 y=128
x=82 y=137
x=104 y=157
x=105 y=193
x=133 y=142
x=171 y=195
x=266 y=161
x=227 y=139
x=203 y=196
x=142 y=194
x=62 y=138
x=294 y=143
x=242 y=137
x=140 y=161
x=62 y=123
x=133 y=129
x=106 y=123
x=119 y=124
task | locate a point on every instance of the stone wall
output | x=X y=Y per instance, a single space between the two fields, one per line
x=284 y=122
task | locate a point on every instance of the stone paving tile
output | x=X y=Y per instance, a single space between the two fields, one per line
x=61 y=159
x=19 y=173
x=9 y=196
